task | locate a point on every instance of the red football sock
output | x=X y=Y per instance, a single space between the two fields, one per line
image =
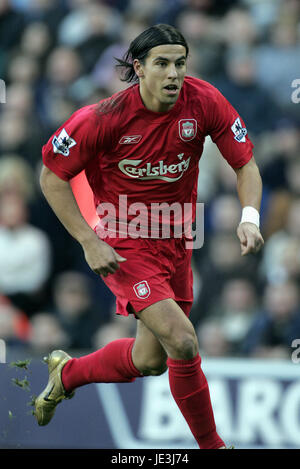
x=190 y=390
x=111 y=364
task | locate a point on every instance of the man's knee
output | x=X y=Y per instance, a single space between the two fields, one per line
x=184 y=346
x=173 y=329
x=154 y=367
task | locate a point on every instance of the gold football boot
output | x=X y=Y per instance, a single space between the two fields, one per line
x=54 y=392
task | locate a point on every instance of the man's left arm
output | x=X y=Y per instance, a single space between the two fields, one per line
x=228 y=131
x=249 y=188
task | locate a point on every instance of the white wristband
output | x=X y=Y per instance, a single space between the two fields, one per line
x=250 y=215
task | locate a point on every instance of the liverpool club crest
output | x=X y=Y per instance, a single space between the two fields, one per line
x=187 y=129
x=142 y=289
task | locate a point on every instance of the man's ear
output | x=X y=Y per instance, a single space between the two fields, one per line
x=138 y=68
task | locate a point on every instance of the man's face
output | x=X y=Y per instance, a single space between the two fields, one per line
x=161 y=76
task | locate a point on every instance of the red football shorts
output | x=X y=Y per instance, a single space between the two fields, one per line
x=155 y=269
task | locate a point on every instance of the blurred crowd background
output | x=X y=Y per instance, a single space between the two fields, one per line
x=57 y=56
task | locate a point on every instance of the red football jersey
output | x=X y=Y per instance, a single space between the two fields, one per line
x=147 y=157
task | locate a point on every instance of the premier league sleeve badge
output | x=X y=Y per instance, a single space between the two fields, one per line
x=63 y=143
x=239 y=131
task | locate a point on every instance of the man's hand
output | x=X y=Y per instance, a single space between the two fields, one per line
x=101 y=257
x=250 y=238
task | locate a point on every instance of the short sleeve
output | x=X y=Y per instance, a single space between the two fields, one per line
x=71 y=148
x=228 y=131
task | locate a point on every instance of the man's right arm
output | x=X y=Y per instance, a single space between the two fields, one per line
x=101 y=257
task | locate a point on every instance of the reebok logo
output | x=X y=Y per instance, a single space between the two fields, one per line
x=130 y=139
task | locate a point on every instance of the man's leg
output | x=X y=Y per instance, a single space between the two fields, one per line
x=148 y=355
x=164 y=335
x=188 y=384
x=112 y=363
